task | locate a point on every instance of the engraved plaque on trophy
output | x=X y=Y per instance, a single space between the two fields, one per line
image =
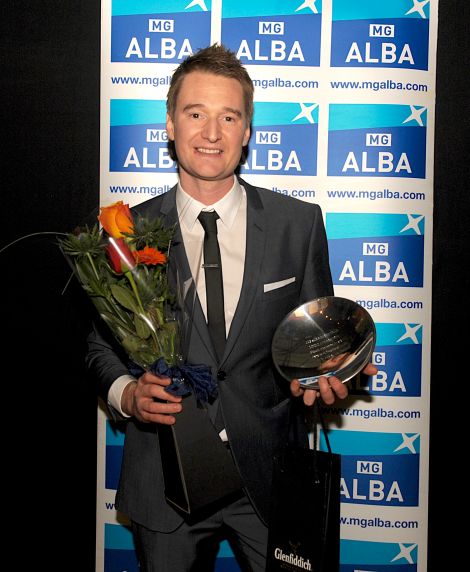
x=328 y=336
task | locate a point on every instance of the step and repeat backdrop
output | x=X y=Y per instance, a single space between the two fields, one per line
x=344 y=117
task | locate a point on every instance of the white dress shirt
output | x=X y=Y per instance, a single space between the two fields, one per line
x=231 y=233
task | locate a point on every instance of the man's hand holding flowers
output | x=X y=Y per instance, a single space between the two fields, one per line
x=146 y=400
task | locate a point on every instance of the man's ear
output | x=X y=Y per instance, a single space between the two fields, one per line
x=246 y=136
x=170 y=129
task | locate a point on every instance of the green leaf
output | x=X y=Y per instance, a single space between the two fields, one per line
x=141 y=327
x=116 y=323
x=151 y=232
x=86 y=241
x=138 y=351
x=132 y=344
x=124 y=297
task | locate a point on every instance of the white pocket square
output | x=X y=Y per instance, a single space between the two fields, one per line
x=280 y=284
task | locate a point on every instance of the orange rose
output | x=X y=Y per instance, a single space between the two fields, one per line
x=149 y=255
x=116 y=219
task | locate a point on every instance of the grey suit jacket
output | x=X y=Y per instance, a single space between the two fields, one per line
x=286 y=264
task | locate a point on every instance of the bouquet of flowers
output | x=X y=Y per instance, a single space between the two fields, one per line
x=123 y=268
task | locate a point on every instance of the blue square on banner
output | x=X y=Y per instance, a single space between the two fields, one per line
x=158 y=32
x=284 y=139
x=273 y=32
x=376 y=249
x=377 y=140
x=385 y=34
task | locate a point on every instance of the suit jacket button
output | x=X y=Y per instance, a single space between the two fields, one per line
x=221 y=375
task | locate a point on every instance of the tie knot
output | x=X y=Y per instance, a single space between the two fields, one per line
x=208 y=219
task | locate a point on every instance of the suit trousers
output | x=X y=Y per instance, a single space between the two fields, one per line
x=193 y=547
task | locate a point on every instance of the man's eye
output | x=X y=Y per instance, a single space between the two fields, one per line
x=195 y=115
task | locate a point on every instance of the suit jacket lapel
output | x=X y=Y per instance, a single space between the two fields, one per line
x=180 y=270
x=255 y=245
x=180 y=276
x=179 y=266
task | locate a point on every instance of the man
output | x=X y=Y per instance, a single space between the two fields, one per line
x=274 y=257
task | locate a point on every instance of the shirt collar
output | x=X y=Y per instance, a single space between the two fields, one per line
x=227 y=207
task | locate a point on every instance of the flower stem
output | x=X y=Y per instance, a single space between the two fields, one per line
x=130 y=277
x=143 y=314
x=112 y=306
x=92 y=264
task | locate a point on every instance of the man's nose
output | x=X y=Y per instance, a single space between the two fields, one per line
x=211 y=130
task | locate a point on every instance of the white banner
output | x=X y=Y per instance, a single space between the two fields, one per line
x=344 y=117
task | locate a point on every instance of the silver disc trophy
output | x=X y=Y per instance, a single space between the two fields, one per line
x=328 y=336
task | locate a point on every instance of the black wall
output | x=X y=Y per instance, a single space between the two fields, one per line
x=49 y=56
x=451 y=289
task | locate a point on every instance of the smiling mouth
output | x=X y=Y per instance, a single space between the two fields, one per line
x=208 y=151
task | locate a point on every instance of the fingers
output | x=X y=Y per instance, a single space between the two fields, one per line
x=150 y=411
x=152 y=404
x=329 y=389
x=332 y=388
x=295 y=388
x=370 y=369
x=308 y=395
x=154 y=386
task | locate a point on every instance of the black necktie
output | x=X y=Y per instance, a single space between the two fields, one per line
x=214 y=283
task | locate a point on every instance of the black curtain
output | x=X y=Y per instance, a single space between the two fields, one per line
x=49 y=55
x=451 y=289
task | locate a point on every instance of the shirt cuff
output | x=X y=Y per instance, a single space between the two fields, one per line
x=115 y=393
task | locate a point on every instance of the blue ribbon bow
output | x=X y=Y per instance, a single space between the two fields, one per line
x=185 y=379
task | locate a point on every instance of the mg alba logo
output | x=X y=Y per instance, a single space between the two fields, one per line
x=398 y=357
x=378 y=468
x=273 y=33
x=158 y=32
x=376 y=140
x=387 y=34
x=284 y=139
x=138 y=138
x=376 y=249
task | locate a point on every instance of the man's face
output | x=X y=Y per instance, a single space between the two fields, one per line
x=209 y=128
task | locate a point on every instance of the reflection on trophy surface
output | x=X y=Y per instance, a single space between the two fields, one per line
x=329 y=336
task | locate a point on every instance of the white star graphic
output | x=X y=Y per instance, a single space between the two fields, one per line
x=416 y=115
x=418 y=6
x=410 y=333
x=308 y=4
x=407 y=443
x=413 y=223
x=199 y=3
x=306 y=111
x=405 y=552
